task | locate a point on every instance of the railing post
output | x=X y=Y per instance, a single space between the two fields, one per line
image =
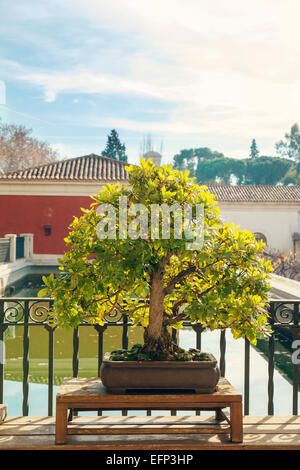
x=50 y=367
x=100 y=330
x=75 y=361
x=26 y=359
x=125 y=344
x=296 y=334
x=198 y=329
x=271 y=366
x=50 y=371
x=75 y=352
x=125 y=332
x=246 y=377
x=222 y=352
x=2 y=331
x=175 y=339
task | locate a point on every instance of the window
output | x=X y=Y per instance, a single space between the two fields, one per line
x=260 y=237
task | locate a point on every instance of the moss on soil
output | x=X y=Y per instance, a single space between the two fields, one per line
x=135 y=354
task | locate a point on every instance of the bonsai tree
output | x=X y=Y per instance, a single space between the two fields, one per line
x=119 y=259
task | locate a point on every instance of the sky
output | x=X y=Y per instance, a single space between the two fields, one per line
x=192 y=73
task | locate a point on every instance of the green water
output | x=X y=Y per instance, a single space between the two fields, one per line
x=63 y=351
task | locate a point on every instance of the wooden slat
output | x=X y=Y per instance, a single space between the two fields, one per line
x=258 y=420
x=27 y=430
x=24 y=420
x=260 y=432
x=147 y=420
x=91 y=390
x=148 y=425
x=277 y=433
x=127 y=430
x=158 y=405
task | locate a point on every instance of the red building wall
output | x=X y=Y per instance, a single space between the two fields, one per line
x=29 y=214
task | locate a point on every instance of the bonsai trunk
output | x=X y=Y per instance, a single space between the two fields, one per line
x=156 y=308
x=157 y=339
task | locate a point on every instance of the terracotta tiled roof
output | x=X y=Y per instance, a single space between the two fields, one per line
x=255 y=193
x=87 y=168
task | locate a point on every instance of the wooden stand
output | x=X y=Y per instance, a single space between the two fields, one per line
x=90 y=395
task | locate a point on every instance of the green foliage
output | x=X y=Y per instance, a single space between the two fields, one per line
x=253 y=149
x=210 y=167
x=223 y=285
x=292 y=176
x=114 y=149
x=260 y=170
x=187 y=159
x=290 y=147
x=220 y=170
x=266 y=170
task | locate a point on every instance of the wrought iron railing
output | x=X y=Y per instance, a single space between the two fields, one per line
x=31 y=312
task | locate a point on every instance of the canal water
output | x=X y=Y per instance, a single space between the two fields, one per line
x=38 y=389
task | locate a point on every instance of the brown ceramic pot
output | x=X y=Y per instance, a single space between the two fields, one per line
x=121 y=376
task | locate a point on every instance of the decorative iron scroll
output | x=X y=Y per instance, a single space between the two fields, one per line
x=12 y=311
x=113 y=316
x=39 y=311
x=283 y=314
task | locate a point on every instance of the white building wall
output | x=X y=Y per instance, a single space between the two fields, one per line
x=276 y=222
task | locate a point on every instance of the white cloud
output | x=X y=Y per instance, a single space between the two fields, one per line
x=84 y=81
x=64 y=151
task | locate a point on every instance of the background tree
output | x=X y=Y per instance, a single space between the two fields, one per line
x=291 y=146
x=284 y=264
x=219 y=170
x=266 y=170
x=253 y=149
x=157 y=281
x=188 y=159
x=210 y=169
x=184 y=160
x=292 y=176
x=19 y=150
x=114 y=148
x=205 y=153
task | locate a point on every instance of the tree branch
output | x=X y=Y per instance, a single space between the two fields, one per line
x=168 y=289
